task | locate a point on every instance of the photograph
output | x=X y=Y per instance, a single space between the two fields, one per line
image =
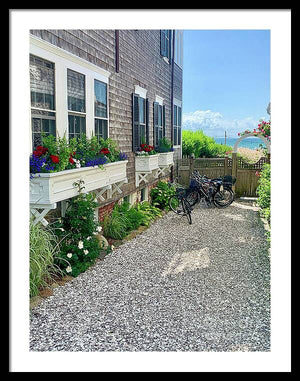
x=147 y=207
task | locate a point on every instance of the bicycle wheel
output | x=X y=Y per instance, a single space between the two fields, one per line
x=175 y=204
x=223 y=198
x=193 y=197
x=187 y=210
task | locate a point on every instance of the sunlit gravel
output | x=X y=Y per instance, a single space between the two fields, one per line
x=175 y=287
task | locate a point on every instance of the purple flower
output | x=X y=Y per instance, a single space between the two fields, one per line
x=95 y=162
x=123 y=156
x=39 y=165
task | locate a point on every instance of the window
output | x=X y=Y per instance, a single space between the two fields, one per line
x=101 y=120
x=144 y=194
x=140 y=116
x=165 y=43
x=42 y=92
x=176 y=125
x=76 y=103
x=178 y=48
x=69 y=95
x=158 y=122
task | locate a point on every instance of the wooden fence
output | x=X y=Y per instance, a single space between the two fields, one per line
x=245 y=173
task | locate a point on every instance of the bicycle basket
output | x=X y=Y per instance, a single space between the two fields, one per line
x=194 y=184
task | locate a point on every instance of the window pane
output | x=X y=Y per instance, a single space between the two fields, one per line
x=160 y=134
x=101 y=128
x=160 y=115
x=42 y=124
x=175 y=116
x=100 y=99
x=141 y=110
x=175 y=141
x=179 y=116
x=142 y=133
x=76 y=91
x=42 y=83
x=76 y=126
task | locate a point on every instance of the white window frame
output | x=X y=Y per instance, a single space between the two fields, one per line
x=64 y=60
x=177 y=103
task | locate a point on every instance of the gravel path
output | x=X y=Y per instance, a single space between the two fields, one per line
x=175 y=287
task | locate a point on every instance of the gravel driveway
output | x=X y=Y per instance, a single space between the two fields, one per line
x=175 y=287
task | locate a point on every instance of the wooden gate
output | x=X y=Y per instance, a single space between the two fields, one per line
x=245 y=173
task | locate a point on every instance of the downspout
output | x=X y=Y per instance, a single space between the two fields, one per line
x=117 y=50
x=172 y=82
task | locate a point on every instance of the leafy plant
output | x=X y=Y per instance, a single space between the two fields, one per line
x=115 y=226
x=148 y=211
x=264 y=191
x=43 y=248
x=56 y=154
x=125 y=218
x=164 y=145
x=160 y=195
x=78 y=228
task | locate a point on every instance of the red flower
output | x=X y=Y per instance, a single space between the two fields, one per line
x=40 y=150
x=37 y=153
x=71 y=160
x=105 y=151
x=55 y=159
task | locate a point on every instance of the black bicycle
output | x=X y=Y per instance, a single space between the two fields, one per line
x=179 y=204
x=214 y=191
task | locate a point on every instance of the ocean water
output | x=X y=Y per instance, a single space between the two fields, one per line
x=250 y=142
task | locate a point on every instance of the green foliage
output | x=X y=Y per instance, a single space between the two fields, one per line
x=148 y=211
x=43 y=246
x=164 y=145
x=126 y=218
x=264 y=192
x=77 y=229
x=197 y=143
x=116 y=225
x=160 y=195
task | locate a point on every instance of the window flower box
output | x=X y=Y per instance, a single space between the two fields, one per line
x=49 y=188
x=146 y=163
x=165 y=158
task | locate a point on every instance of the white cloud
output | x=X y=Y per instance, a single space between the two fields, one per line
x=214 y=124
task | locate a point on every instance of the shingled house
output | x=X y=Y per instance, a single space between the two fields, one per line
x=127 y=85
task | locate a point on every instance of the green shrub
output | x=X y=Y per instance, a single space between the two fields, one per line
x=197 y=143
x=160 y=195
x=43 y=246
x=116 y=225
x=148 y=211
x=77 y=229
x=264 y=192
x=126 y=218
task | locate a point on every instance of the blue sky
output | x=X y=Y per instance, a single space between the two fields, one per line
x=226 y=80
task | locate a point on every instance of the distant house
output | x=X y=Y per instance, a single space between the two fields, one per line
x=121 y=84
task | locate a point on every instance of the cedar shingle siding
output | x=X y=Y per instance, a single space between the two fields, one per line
x=140 y=63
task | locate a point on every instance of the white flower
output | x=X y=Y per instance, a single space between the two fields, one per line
x=85 y=252
x=88 y=238
x=112 y=247
x=80 y=245
x=99 y=228
x=69 y=255
x=68 y=269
